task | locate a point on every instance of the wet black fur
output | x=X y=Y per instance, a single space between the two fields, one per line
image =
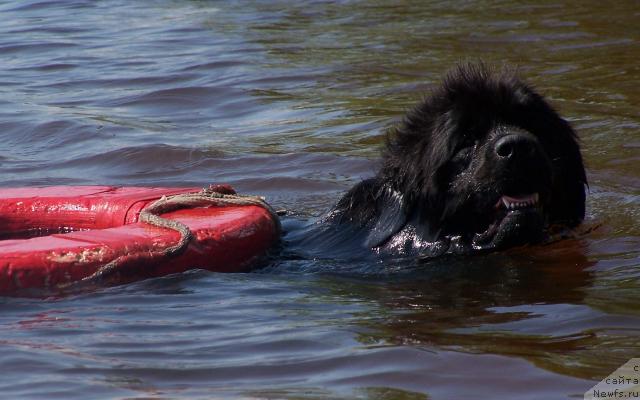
x=435 y=176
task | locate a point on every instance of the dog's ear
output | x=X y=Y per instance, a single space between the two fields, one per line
x=570 y=181
x=418 y=147
x=562 y=146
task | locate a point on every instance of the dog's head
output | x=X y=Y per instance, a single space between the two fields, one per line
x=486 y=158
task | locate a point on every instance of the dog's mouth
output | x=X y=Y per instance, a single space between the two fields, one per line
x=517 y=220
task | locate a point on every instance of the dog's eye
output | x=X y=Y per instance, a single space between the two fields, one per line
x=466 y=146
x=462 y=156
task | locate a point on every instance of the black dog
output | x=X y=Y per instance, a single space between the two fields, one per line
x=482 y=163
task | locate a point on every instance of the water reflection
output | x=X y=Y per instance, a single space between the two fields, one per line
x=525 y=303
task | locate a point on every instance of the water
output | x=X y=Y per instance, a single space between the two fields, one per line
x=289 y=100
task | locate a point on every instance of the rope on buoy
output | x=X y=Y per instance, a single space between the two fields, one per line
x=208 y=197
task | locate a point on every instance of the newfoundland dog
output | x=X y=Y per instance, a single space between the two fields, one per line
x=482 y=163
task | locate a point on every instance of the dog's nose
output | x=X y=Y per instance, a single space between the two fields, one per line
x=513 y=146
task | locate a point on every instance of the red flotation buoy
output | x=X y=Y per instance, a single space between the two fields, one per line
x=58 y=236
